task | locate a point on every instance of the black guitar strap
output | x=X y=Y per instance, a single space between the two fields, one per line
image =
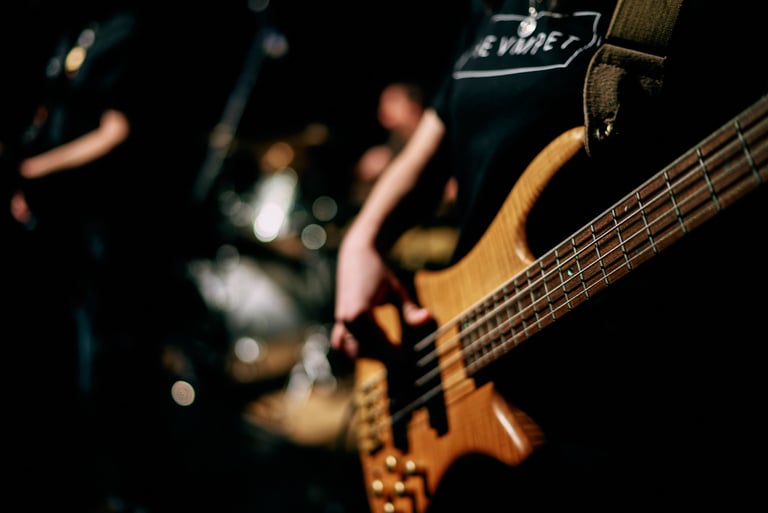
x=628 y=67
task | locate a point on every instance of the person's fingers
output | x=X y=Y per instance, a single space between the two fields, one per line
x=364 y=337
x=337 y=335
x=414 y=314
x=343 y=340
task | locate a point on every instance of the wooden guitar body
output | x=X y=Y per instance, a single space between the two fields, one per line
x=479 y=419
x=415 y=417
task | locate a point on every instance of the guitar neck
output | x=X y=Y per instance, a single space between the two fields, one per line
x=716 y=173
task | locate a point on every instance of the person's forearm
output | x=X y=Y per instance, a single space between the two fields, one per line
x=112 y=131
x=374 y=223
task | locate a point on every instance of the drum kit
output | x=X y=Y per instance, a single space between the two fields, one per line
x=271 y=281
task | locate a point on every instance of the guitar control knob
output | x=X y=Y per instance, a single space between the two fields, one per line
x=377 y=487
x=402 y=489
x=388 y=507
x=410 y=468
x=391 y=463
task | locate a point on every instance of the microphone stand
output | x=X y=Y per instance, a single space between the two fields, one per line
x=267 y=42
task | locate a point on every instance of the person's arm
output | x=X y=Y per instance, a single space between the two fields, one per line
x=363 y=280
x=113 y=129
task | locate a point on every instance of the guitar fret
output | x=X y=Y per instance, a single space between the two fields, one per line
x=511 y=330
x=571 y=284
x=675 y=205
x=521 y=310
x=533 y=292
x=661 y=213
x=747 y=154
x=609 y=250
x=694 y=202
x=504 y=327
x=562 y=280
x=530 y=312
x=734 y=174
x=511 y=315
x=578 y=267
x=707 y=180
x=617 y=230
x=469 y=337
x=495 y=339
x=485 y=347
x=645 y=222
x=589 y=259
x=599 y=257
x=547 y=293
x=482 y=342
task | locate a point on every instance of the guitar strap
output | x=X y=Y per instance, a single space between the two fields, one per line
x=627 y=68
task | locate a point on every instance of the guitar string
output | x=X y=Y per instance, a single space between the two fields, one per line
x=519 y=317
x=441 y=350
x=733 y=147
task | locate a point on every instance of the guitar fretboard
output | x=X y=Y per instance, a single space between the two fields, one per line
x=715 y=174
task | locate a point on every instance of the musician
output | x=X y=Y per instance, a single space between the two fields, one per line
x=628 y=390
x=90 y=291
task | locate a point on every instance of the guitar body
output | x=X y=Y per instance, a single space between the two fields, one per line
x=403 y=476
x=420 y=407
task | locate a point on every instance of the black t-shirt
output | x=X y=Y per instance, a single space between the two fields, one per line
x=509 y=95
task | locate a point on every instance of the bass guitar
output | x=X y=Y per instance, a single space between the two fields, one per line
x=499 y=295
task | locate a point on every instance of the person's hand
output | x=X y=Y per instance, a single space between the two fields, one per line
x=363 y=282
x=20 y=209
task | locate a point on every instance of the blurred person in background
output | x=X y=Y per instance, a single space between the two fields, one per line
x=399 y=110
x=79 y=198
x=97 y=286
